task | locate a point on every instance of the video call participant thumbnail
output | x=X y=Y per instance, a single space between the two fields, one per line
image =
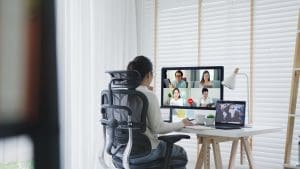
x=176 y=100
x=178 y=82
x=205 y=100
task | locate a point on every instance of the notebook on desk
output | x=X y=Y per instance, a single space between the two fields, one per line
x=230 y=114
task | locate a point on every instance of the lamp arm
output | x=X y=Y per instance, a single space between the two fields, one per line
x=248 y=93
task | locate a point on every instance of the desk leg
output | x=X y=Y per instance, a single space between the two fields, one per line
x=200 y=157
x=203 y=156
x=242 y=153
x=206 y=153
x=233 y=153
x=198 y=144
x=246 y=145
x=217 y=154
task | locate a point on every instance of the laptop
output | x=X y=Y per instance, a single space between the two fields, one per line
x=230 y=114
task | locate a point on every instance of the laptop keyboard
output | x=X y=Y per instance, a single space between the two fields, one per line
x=227 y=127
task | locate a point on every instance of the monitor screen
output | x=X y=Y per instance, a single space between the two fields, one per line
x=230 y=112
x=191 y=87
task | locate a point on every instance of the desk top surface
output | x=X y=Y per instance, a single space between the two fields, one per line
x=244 y=132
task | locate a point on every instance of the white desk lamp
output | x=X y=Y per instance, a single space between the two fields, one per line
x=229 y=82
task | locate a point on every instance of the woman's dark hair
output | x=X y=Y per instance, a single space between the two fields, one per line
x=177 y=90
x=202 y=79
x=204 y=90
x=141 y=64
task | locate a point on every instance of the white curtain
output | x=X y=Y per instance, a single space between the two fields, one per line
x=93 y=36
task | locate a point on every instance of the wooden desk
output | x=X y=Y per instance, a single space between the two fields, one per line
x=207 y=137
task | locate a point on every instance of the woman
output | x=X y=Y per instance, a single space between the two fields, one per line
x=155 y=124
x=205 y=80
x=176 y=100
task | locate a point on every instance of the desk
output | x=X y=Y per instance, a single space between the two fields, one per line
x=215 y=136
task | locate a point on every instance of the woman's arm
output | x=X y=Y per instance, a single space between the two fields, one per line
x=155 y=122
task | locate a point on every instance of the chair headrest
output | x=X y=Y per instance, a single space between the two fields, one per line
x=124 y=79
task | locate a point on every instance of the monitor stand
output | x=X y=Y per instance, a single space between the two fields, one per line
x=170 y=116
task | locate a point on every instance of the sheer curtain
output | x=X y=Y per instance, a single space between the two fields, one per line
x=93 y=36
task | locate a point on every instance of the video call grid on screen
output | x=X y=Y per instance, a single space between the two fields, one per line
x=193 y=93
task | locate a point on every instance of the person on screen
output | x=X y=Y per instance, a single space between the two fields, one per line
x=155 y=124
x=234 y=114
x=223 y=109
x=205 y=101
x=176 y=100
x=205 y=80
x=179 y=82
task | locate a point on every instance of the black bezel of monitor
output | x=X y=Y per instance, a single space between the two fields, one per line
x=164 y=69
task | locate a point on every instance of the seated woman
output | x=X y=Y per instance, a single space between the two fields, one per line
x=205 y=80
x=205 y=101
x=155 y=124
x=176 y=100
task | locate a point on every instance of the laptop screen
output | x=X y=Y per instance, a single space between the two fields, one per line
x=230 y=112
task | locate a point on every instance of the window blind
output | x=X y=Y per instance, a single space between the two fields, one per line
x=225 y=41
x=274 y=43
x=176 y=35
x=177 y=38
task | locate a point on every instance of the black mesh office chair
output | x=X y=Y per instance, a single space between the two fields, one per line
x=124 y=122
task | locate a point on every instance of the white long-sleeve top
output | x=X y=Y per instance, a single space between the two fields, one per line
x=155 y=124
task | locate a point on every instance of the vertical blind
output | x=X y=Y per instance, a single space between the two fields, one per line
x=225 y=40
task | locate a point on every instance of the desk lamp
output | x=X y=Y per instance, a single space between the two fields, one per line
x=229 y=82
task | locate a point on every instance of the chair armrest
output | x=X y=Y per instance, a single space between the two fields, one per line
x=171 y=139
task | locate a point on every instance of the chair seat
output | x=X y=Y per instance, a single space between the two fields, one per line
x=155 y=164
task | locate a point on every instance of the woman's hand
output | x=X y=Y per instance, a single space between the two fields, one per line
x=187 y=122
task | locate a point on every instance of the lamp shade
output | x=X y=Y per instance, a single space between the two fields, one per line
x=229 y=82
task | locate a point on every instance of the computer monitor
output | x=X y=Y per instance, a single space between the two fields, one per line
x=191 y=87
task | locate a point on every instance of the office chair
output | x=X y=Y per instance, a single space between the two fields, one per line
x=124 y=111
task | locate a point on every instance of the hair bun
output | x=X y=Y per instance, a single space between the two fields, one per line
x=141 y=64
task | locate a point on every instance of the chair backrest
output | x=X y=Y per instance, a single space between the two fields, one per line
x=125 y=108
x=186 y=82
